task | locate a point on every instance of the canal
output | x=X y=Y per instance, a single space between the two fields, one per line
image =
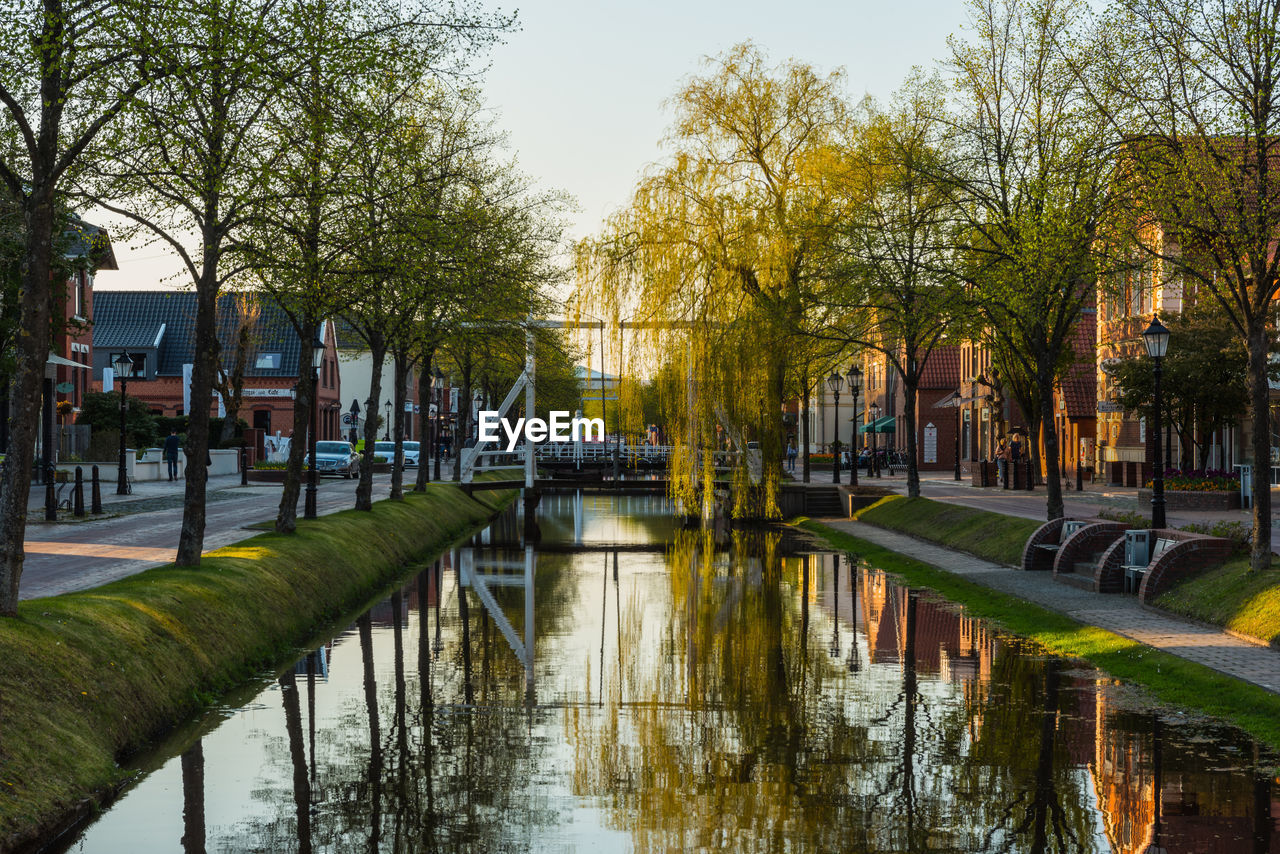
x=627 y=686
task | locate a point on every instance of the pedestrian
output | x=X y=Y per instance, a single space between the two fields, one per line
x=1002 y=459
x=171 y=446
x=791 y=456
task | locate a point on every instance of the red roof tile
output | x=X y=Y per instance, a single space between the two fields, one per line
x=1080 y=385
x=942 y=368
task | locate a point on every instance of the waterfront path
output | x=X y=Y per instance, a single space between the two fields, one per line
x=1120 y=614
x=141 y=531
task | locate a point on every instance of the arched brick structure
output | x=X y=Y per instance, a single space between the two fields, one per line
x=1086 y=542
x=1191 y=555
x=1108 y=577
x=1037 y=559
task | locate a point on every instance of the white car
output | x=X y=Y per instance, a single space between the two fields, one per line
x=388 y=450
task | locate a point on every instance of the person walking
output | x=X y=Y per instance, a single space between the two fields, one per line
x=792 y=453
x=1002 y=460
x=171 y=446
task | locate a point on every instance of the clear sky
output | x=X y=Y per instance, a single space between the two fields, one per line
x=579 y=88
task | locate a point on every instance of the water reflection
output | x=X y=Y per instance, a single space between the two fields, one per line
x=633 y=687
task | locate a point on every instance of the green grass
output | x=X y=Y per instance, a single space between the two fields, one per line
x=991 y=536
x=89 y=677
x=1168 y=678
x=1231 y=596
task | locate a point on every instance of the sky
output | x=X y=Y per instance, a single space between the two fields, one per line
x=579 y=88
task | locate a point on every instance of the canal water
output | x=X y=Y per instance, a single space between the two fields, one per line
x=627 y=686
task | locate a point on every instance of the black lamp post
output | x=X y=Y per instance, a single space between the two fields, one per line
x=1156 y=337
x=124 y=367
x=855 y=385
x=355 y=419
x=875 y=457
x=439 y=387
x=835 y=382
x=317 y=356
x=386 y=425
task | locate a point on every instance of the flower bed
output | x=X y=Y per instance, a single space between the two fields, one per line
x=1199 y=480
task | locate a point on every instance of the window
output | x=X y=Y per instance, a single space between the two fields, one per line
x=139 y=360
x=267 y=362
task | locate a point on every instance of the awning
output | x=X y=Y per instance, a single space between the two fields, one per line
x=58 y=360
x=880 y=425
x=951 y=401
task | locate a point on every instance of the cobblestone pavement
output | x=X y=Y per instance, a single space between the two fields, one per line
x=1120 y=614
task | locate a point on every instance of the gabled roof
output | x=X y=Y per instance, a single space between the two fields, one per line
x=1080 y=384
x=91 y=243
x=942 y=368
x=133 y=319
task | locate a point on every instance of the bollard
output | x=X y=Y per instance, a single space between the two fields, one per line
x=1079 y=478
x=244 y=466
x=50 y=498
x=95 y=492
x=77 y=497
x=1008 y=465
x=1031 y=479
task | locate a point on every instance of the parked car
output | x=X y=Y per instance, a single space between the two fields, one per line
x=336 y=458
x=388 y=450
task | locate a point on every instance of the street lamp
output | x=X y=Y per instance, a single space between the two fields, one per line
x=1156 y=337
x=317 y=356
x=123 y=365
x=855 y=385
x=386 y=425
x=438 y=384
x=835 y=382
x=875 y=416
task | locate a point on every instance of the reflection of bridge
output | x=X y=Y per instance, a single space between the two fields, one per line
x=482 y=569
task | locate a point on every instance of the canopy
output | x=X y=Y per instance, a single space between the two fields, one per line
x=880 y=425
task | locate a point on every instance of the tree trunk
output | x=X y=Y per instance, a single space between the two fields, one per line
x=287 y=514
x=1052 y=483
x=804 y=424
x=1260 y=395
x=909 y=394
x=426 y=440
x=191 y=539
x=364 y=491
x=401 y=397
x=32 y=352
x=464 y=418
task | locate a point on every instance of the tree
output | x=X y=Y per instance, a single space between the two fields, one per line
x=240 y=316
x=67 y=70
x=715 y=247
x=1201 y=83
x=893 y=278
x=1031 y=181
x=189 y=176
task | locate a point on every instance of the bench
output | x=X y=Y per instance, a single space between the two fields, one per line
x=1069 y=527
x=1134 y=573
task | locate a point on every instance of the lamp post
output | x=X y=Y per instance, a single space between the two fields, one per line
x=124 y=367
x=439 y=387
x=317 y=356
x=855 y=385
x=875 y=416
x=386 y=424
x=835 y=382
x=1156 y=337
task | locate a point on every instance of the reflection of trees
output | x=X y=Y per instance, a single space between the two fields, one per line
x=193 y=799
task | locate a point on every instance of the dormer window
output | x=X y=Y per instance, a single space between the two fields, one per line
x=267 y=362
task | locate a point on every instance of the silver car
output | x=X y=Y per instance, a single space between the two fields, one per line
x=336 y=458
x=387 y=450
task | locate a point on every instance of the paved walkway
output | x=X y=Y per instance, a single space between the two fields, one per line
x=77 y=554
x=1120 y=614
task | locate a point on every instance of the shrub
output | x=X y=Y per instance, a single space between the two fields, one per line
x=1239 y=533
x=1200 y=480
x=101 y=411
x=267 y=465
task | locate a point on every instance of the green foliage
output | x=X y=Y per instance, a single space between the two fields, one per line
x=992 y=536
x=101 y=411
x=267 y=465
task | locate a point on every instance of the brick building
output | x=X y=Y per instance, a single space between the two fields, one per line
x=157 y=330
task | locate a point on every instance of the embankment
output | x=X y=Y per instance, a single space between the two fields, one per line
x=87 y=678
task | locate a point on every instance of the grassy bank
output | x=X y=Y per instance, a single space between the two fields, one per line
x=89 y=677
x=1166 y=677
x=991 y=536
x=1233 y=597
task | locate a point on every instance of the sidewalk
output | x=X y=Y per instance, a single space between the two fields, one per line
x=1122 y=615
x=77 y=554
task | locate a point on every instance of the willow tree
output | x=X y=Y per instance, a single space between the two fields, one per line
x=1030 y=174
x=1201 y=81
x=714 y=249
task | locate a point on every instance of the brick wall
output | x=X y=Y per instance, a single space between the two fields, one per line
x=1178 y=499
x=1036 y=559
x=1087 y=542
x=1191 y=556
